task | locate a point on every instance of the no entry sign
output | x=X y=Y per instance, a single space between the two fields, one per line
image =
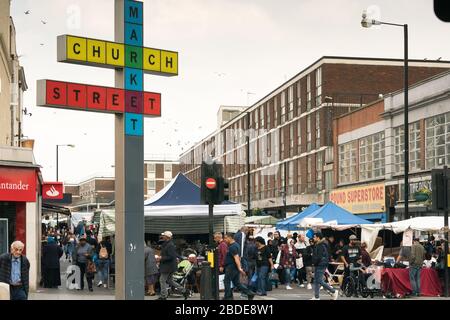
x=211 y=183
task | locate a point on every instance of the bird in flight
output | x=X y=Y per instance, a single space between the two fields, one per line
x=44 y=22
x=27 y=12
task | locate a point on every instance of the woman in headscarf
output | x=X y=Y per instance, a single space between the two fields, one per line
x=51 y=253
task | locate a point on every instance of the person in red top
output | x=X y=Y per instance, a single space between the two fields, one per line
x=222 y=249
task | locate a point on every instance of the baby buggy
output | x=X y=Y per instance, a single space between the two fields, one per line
x=185 y=268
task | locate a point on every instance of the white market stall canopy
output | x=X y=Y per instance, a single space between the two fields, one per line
x=425 y=224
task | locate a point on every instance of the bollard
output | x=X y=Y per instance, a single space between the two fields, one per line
x=206 y=282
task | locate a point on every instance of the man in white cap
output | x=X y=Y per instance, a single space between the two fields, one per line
x=168 y=266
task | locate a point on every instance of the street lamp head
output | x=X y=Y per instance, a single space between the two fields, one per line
x=71 y=145
x=367 y=23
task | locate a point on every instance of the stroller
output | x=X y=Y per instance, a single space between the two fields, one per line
x=185 y=268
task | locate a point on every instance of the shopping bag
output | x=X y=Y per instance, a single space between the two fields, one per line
x=254 y=279
x=299 y=263
x=221 y=283
x=273 y=276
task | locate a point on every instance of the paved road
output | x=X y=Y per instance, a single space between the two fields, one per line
x=108 y=294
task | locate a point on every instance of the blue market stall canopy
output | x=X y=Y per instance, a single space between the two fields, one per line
x=291 y=223
x=180 y=191
x=332 y=212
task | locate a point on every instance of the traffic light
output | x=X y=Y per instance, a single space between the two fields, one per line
x=209 y=189
x=439 y=193
x=224 y=190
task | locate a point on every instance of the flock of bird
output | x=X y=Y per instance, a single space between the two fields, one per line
x=42 y=21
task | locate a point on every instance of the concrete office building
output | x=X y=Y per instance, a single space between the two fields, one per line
x=291 y=145
x=369 y=154
x=98 y=191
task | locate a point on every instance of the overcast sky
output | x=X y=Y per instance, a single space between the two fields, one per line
x=226 y=49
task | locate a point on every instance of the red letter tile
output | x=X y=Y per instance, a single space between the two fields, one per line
x=116 y=100
x=152 y=104
x=76 y=95
x=56 y=93
x=96 y=97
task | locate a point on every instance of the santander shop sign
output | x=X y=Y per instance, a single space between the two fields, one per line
x=17 y=184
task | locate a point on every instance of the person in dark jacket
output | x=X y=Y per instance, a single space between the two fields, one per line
x=168 y=266
x=241 y=237
x=51 y=253
x=15 y=271
x=320 y=260
x=252 y=252
x=81 y=255
x=104 y=252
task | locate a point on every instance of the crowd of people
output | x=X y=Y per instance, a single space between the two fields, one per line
x=247 y=263
x=83 y=248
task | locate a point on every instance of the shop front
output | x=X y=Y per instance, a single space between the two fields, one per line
x=368 y=201
x=20 y=184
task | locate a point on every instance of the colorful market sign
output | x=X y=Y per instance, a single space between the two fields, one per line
x=360 y=199
x=129 y=103
x=105 y=54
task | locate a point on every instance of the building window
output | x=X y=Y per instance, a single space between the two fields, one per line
x=291 y=140
x=308 y=92
x=282 y=142
x=319 y=170
x=347 y=162
x=275 y=112
x=299 y=98
x=151 y=185
x=372 y=156
x=317 y=130
x=328 y=180
x=166 y=182
x=261 y=116
x=299 y=138
x=268 y=115
x=290 y=187
x=300 y=187
x=256 y=119
x=151 y=170
x=437 y=135
x=291 y=103
x=414 y=148
x=318 y=86
x=309 y=171
x=283 y=107
x=308 y=133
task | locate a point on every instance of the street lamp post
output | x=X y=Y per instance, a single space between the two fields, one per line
x=367 y=23
x=57 y=156
x=57 y=177
x=248 y=164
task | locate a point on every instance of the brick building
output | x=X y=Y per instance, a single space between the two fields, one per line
x=290 y=129
x=369 y=151
x=99 y=191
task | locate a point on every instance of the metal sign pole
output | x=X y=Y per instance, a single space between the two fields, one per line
x=129 y=170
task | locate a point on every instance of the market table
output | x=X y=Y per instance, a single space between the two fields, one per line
x=396 y=281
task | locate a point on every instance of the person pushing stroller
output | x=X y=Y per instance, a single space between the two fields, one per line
x=168 y=266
